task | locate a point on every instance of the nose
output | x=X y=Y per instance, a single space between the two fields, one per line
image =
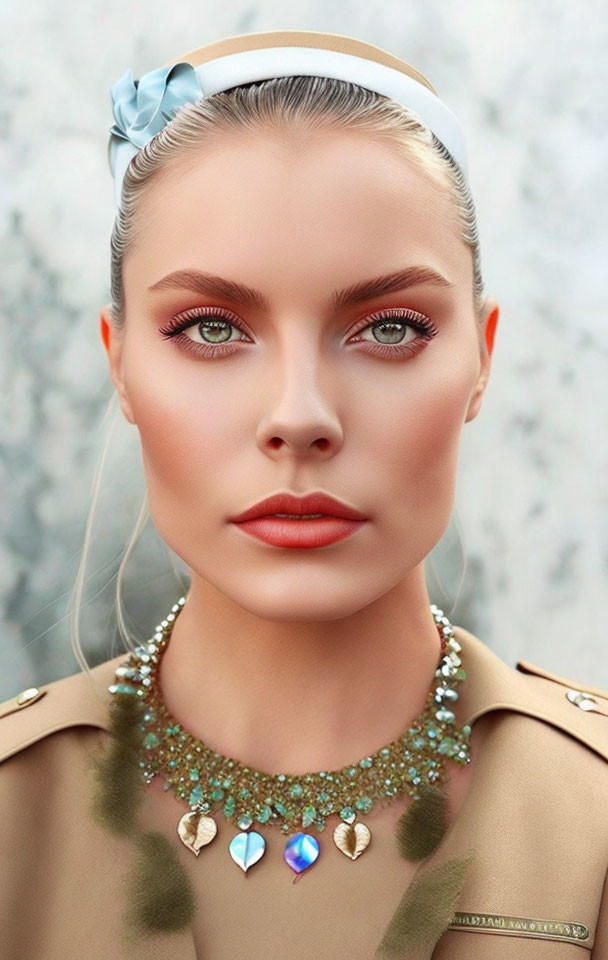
x=299 y=418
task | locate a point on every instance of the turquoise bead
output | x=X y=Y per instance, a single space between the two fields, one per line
x=196 y=796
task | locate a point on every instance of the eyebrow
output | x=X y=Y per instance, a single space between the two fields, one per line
x=208 y=283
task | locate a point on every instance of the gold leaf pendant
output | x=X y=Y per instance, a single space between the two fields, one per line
x=196 y=831
x=352 y=838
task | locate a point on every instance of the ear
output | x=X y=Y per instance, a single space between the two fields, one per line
x=113 y=342
x=490 y=320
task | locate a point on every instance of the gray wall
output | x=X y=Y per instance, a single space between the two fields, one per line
x=528 y=82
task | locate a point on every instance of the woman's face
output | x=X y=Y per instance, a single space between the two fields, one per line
x=293 y=388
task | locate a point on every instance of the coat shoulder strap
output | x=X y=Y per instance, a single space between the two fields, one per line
x=77 y=700
x=577 y=708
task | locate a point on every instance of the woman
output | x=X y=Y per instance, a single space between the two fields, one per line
x=298 y=331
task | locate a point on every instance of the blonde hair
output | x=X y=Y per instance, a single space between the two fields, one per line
x=280 y=105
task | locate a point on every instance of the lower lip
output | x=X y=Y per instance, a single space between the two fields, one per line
x=281 y=532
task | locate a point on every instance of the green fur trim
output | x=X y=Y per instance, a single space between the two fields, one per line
x=423 y=823
x=425 y=911
x=118 y=789
x=160 y=896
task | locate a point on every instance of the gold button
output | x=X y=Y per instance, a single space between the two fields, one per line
x=28 y=696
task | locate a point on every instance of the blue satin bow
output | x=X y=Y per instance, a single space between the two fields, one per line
x=142 y=108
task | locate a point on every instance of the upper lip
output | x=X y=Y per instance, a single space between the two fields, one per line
x=286 y=502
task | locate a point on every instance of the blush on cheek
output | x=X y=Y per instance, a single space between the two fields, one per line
x=437 y=445
x=182 y=429
x=190 y=452
x=422 y=454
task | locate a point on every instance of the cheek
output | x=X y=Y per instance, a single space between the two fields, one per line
x=416 y=438
x=187 y=436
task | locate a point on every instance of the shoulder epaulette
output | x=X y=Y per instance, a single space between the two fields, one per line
x=76 y=700
x=577 y=709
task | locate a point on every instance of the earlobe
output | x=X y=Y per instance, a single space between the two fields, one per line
x=475 y=402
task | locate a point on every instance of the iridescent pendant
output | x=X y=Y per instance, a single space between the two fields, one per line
x=300 y=852
x=247 y=848
x=196 y=831
x=352 y=838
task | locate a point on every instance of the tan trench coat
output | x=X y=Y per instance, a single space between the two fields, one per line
x=536 y=815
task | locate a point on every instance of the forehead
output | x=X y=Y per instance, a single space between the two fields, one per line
x=297 y=204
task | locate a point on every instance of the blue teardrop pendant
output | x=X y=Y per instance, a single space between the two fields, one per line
x=300 y=852
x=247 y=848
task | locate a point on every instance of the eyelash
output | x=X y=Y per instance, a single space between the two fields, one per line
x=407 y=318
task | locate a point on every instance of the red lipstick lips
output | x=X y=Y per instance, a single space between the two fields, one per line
x=331 y=520
x=316 y=502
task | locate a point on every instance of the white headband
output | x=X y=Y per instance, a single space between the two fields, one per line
x=142 y=108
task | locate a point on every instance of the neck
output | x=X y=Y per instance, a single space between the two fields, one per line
x=300 y=696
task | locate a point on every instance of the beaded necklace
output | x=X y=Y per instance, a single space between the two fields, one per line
x=204 y=778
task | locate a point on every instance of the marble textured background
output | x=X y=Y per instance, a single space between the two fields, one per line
x=528 y=82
